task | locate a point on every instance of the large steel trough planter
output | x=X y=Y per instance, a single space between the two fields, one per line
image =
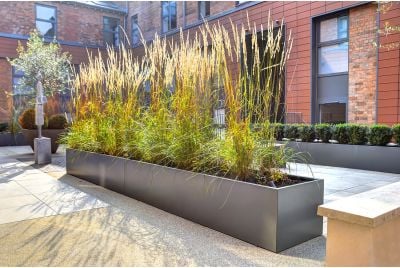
x=271 y=218
x=375 y=158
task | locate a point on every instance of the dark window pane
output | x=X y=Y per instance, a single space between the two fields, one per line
x=204 y=9
x=46 y=29
x=135 y=30
x=333 y=113
x=46 y=13
x=111 y=24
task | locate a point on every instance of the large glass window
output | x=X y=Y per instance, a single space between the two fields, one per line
x=46 y=20
x=111 y=31
x=204 y=9
x=168 y=15
x=333 y=46
x=135 y=30
x=333 y=59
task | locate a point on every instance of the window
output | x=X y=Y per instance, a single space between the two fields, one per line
x=168 y=16
x=135 y=31
x=46 y=21
x=111 y=31
x=204 y=9
x=333 y=46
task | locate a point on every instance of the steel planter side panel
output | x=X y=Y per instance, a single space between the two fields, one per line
x=242 y=210
x=297 y=213
x=375 y=158
x=106 y=171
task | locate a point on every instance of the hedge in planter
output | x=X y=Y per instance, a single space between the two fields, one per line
x=341 y=133
x=323 y=132
x=53 y=128
x=396 y=133
x=291 y=131
x=357 y=134
x=379 y=135
x=306 y=132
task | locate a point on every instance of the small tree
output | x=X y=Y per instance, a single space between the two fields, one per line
x=53 y=65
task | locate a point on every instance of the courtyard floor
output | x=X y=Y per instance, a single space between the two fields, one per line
x=48 y=218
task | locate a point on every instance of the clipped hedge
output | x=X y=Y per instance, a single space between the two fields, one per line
x=396 y=133
x=279 y=131
x=323 y=132
x=379 y=135
x=291 y=131
x=358 y=134
x=306 y=132
x=341 y=133
x=3 y=127
x=57 y=121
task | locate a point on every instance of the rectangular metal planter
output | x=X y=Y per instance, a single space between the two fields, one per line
x=271 y=218
x=375 y=158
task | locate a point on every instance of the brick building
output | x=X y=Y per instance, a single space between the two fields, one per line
x=343 y=65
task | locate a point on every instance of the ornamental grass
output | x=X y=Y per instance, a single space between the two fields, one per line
x=160 y=108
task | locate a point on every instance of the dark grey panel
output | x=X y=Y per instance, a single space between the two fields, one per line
x=332 y=89
x=375 y=158
x=106 y=171
x=297 y=210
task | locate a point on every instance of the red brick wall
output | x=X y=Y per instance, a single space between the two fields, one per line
x=74 y=21
x=298 y=19
x=149 y=14
x=5 y=90
x=389 y=65
x=362 y=64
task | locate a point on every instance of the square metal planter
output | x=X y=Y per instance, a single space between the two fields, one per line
x=271 y=218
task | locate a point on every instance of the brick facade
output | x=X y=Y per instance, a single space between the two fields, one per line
x=374 y=91
x=362 y=64
x=389 y=64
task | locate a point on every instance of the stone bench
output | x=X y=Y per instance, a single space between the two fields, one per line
x=364 y=229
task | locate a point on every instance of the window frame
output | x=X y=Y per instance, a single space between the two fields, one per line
x=54 y=23
x=169 y=17
x=338 y=41
x=205 y=8
x=113 y=32
x=136 y=18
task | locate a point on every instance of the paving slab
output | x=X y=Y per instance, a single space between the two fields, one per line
x=48 y=218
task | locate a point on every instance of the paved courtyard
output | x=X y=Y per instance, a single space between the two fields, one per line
x=48 y=218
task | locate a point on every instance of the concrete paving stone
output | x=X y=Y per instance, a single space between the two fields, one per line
x=18 y=201
x=49 y=187
x=25 y=212
x=378 y=183
x=338 y=195
x=360 y=189
x=10 y=189
x=62 y=207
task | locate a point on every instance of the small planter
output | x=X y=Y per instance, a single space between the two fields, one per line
x=271 y=218
x=53 y=134
x=375 y=158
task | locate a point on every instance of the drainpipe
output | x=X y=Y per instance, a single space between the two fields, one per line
x=378 y=18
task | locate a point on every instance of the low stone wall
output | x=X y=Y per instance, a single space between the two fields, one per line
x=363 y=230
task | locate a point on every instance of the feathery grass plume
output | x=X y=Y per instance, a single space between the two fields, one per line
x=160 y=108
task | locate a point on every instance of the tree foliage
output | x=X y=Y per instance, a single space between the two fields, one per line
x=48 y=59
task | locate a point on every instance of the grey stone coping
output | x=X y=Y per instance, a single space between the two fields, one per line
x=371 y=208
